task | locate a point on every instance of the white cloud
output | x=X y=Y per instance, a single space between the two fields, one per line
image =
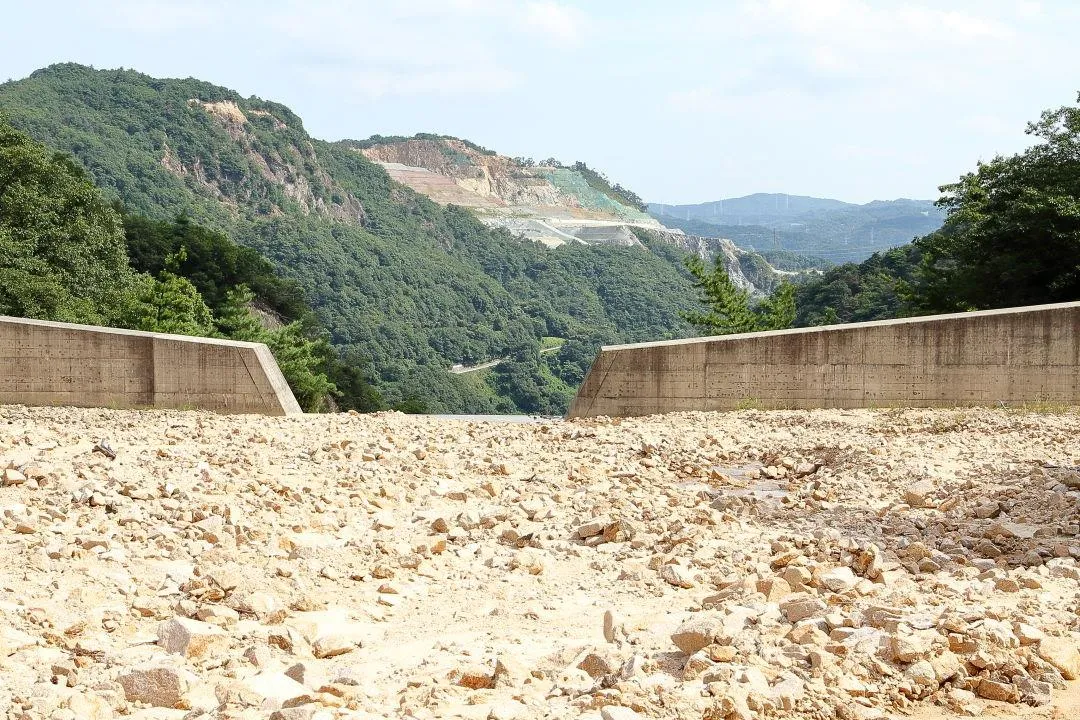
x=866 y=24
x=158 y=16
x=374 y=84
x=695 y=100
x=563 y=24
x=419 y=47
x=1029 y=8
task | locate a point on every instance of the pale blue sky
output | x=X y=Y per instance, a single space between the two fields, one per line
x=682 y=101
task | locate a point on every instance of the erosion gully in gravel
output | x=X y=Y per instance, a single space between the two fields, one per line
x=813 y=564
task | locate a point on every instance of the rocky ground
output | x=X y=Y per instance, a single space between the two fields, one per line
x=847 y=564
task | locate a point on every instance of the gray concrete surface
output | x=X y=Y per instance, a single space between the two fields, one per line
x=50 y=363
x=1016 y=355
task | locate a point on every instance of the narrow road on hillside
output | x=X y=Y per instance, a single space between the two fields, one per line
x=462 y=369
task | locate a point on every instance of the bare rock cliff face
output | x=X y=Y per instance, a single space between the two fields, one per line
x=546 y=204
x=299 y=174
x=449 y=170
x=748 y=270
x=480 y=180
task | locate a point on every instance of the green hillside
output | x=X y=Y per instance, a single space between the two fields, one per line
x=399 y=281
x=67 y=254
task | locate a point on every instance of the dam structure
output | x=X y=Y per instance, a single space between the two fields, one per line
x=53 y=363
x=1011 y=356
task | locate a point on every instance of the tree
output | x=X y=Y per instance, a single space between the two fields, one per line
x=871 y=290
x=62 y=252
x=300 y=358
x=212 y=262
x=170 y=304
x=1012 y=234
x=729 y=309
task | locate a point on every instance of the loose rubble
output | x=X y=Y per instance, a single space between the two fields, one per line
x=825 y=564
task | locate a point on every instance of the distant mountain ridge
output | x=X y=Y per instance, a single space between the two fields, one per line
x=757 y=205
x=819 y=227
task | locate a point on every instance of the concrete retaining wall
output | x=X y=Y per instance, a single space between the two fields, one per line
x=1029 y=354
x=49 y=363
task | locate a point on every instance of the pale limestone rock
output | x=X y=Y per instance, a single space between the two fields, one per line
x=965 y=702
x=618 y=712
x=89 y=706
x=1027 y=634
x=574 y=681
x=918 y=494
x=1034 y=692
x=510 y=672
x=922 y=673
x=774 y=589
x=801 y=606
x=908 y=647
x=191 y=638
x=258 y=655
x=797 y=577
x=1063 y=654
x=275 y=689
x=11 y=476
x=614 y=629
x=302 y=712
x=306 y=674
x=507 y=710
x=160 y=686
x=999 y=691
x=696 y=664
x=836 y=579
x=946 y=665
x=722 y=653
x=698 y=632
x=332 y=645
x=677 y=575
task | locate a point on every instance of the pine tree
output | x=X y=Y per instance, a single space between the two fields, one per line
x=729 y=309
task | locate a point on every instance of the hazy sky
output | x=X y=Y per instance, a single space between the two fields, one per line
x=681 y=101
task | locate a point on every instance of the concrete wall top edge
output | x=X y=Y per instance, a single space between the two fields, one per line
x=848 y=326
x=98 y=329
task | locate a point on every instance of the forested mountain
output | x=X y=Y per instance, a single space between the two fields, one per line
x=411 y=286
x=829 y=229
x=1011 y=237
x=66 y=254
x=875 y=289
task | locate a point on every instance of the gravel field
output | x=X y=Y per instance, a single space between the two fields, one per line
x=810 y=564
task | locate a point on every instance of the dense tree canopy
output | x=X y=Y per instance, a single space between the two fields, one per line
x=63 y=257
x=62 y=251
x=874 y=289
x=1011 y=237
x=212 y=262
x=1012 y=234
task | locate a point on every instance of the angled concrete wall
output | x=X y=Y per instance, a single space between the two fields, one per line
x=50 y=363
x=1029 y=354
